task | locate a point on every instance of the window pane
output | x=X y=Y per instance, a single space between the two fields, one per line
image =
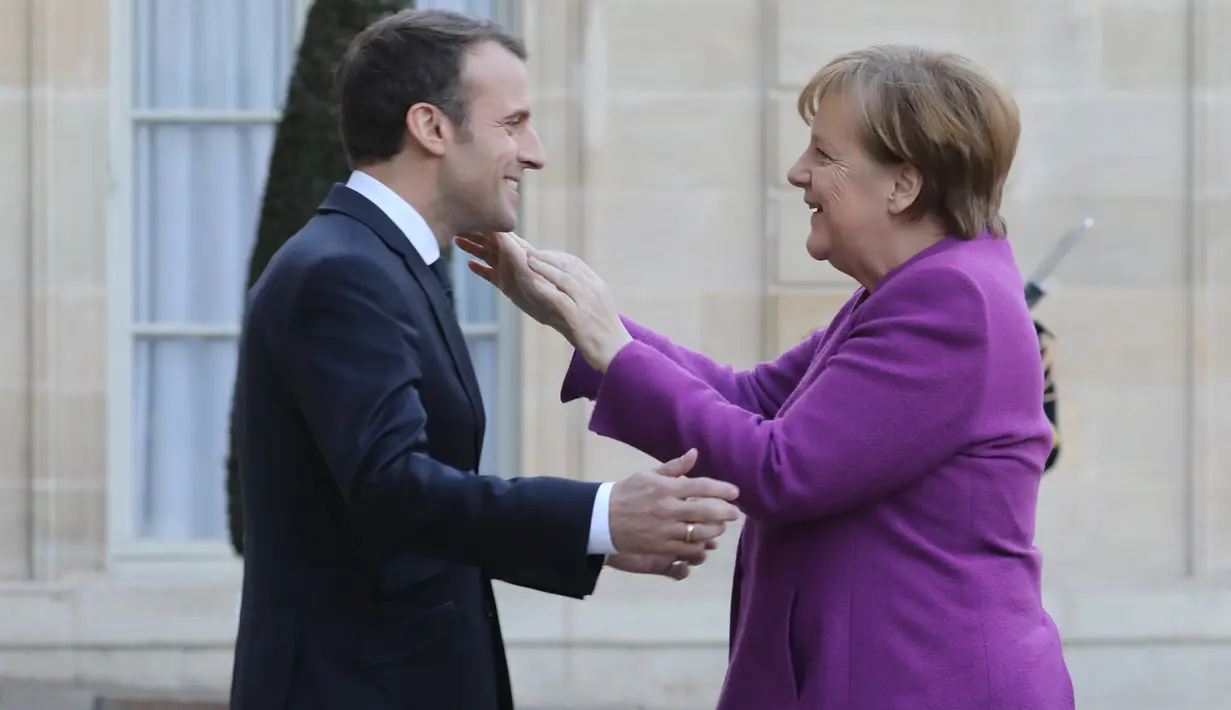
x=212 y=54
x=198 y=191
x=181 y=402
x=483 y=354
x=475 y=298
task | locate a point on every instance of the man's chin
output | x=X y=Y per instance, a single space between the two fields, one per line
x=508 y=222
x=501 y=223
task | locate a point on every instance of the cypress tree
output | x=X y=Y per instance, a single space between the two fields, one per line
x=307 y=157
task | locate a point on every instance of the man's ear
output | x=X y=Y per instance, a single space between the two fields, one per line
x=907 y=184
x=428 y=127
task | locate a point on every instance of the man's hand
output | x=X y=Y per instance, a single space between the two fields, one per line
x=661 y=513
x=661 y=565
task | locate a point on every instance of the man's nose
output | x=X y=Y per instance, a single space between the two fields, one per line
x=532 y=155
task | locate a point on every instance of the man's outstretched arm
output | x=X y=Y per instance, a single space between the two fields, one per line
x=354 y=370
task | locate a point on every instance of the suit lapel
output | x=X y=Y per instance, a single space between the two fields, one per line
x=347 y=201
x=446 y=319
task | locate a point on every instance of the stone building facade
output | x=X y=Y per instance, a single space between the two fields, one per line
x=669 y=125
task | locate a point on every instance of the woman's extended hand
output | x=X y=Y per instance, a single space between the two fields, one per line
x=502 y=263
x=583 y=308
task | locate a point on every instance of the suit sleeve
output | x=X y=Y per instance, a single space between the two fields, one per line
x=353 y=365
x=760 y=390
x=576 y=585
x=895 y=400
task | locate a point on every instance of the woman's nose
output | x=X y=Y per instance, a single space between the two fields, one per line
x=799 y=175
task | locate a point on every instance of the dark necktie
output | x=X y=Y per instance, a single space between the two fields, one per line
x=441 y=268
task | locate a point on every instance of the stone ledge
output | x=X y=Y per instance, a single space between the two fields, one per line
x=27 y=695
x=1177 y=676
x=32 y=695
x=153 y=614
x=105 y=704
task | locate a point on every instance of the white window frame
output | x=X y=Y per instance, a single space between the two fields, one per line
x=124 y=546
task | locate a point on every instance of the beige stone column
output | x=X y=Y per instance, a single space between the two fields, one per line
x=14 y=289
x=651 y=114
x=1102 y=93
x=673 y=136
x=803 y=295
x=535 y=625
x=69 y=185
x=653 y=165
x=552 y=212
x=1212 y=226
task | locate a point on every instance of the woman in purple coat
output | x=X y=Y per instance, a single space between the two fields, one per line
x=889 y=465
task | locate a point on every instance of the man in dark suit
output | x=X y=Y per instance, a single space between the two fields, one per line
x=371 y=541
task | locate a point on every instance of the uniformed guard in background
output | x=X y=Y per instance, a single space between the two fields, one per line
x=1034 y=293
x=1049 y=393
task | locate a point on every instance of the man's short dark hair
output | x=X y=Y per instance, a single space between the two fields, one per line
x=414 y=56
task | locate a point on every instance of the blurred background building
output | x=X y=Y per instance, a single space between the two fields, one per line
x=134 y=136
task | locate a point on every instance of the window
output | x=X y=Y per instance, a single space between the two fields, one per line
x=198 y=90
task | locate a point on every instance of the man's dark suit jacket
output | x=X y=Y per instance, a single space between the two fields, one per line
x=370 y=543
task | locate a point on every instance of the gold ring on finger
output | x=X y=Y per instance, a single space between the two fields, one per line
x=688 y=530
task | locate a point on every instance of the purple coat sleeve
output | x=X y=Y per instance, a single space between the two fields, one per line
x=761 y=390
x=891 y=404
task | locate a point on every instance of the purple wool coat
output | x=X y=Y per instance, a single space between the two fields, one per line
x=889 y=469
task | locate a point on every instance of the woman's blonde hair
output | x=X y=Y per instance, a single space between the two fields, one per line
x=937 y=111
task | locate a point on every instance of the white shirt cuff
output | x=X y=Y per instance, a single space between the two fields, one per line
x=600 y=525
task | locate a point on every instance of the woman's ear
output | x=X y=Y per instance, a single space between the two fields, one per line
x=907 y=184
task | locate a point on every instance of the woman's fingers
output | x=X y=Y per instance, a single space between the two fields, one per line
x=475 y=247
x=575 y=267
x=550 y=266
x=567 y=263
x=483 y=271
x=525 y=245
x=510 y=245
x=555 y=299
x=582 y=271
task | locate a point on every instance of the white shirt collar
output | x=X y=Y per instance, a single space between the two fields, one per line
x=406 y=218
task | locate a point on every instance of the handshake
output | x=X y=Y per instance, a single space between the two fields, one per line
x=663 y=523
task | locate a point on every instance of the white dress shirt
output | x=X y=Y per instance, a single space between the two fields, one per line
x=415 y=228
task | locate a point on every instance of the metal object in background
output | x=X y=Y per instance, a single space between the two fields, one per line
x=1035 y=289
x=1034 y=293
